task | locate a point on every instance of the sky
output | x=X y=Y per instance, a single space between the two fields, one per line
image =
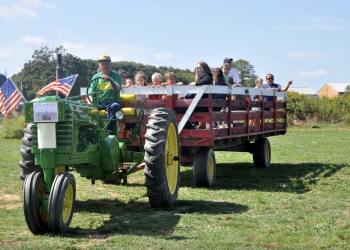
x=304 y=41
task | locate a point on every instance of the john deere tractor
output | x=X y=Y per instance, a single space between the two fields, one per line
x=66 y=135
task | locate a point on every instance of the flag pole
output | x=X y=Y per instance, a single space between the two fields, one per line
x=14 y=84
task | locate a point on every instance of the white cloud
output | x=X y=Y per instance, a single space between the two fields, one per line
x=164 y=56
x=32 y=2
x=33 y=40
x=118 y=50
x=303 y=55
x=22 y=8
x=13 y=57
x=317 y=72
x=325 y=23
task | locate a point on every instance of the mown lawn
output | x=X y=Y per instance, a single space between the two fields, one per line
x=301 y=202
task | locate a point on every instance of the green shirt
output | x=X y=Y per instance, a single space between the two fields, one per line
x=102 y=90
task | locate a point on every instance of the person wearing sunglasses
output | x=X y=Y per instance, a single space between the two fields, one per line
x=270 y=84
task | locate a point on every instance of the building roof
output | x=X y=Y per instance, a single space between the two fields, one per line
x=303 y=90
x=339 y=87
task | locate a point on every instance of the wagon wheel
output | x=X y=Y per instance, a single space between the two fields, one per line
x=34 y=212
x=162 y=168
x=204 y=167
x=27 y=158
x=61 y=202
x=262 y=153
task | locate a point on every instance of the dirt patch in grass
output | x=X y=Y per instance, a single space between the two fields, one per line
x=9 y=197
x=10 y=201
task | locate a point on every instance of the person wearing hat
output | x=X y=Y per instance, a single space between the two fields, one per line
x=230 y=71
x=105 y=89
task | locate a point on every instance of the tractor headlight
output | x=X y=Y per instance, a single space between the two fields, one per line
x=119 y=115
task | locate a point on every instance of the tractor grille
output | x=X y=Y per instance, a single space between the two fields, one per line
x=64 y=132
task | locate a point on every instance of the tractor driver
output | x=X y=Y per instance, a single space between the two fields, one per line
x=105 y=87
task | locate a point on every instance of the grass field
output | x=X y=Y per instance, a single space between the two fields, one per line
x=301 y=202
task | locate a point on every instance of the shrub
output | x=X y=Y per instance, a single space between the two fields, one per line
x=12 y=128
x=327 y=110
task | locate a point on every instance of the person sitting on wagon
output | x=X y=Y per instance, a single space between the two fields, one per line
x=272 y=85
x=129 y=82
x=219 y=79
x=203 y=76
x=156 y=82
x=105 y=89
x=229 y=70
x=156 y=79
x=170 y=79
x=140 y=78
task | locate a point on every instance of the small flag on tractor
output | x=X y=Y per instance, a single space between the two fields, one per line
x=63 y=85
x=10 y=97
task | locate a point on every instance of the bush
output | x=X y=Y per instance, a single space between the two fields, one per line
x=327 y=110
x=12 y=128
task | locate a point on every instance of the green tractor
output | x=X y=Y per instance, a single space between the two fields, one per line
x=65 y=135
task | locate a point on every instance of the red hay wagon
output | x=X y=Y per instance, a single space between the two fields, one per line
x=216 y=118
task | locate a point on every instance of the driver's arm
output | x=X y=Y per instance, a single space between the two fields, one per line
x=115 y=85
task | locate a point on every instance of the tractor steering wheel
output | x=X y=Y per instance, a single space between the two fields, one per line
x=89 y=95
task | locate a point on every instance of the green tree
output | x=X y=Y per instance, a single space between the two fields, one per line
x=39 y=71
x=247 y=72
x=347 y=90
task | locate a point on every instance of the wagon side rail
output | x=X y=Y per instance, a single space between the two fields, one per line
x=205 y=120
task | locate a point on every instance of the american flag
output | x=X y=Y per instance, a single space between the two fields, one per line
x=10 y=97
x=63 y=85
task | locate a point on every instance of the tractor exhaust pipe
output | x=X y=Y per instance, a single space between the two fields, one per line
x=59 y=66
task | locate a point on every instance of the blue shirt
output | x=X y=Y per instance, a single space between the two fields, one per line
x=272 y=86
x=275 y=86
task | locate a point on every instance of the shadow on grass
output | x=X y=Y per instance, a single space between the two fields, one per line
x=138 y=218
x=294 y=178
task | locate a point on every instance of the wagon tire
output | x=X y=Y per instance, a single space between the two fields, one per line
x=204 y=167
x=262 y=153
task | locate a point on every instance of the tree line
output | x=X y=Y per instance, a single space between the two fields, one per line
x=41 y=68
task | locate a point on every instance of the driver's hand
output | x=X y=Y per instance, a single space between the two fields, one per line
x=105 y=77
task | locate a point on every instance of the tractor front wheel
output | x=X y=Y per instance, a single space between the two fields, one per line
x=204 y=167
x=162 y=168
x=34 y=212
x=61 y=202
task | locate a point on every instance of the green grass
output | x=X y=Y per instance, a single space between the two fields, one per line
x=301 y=202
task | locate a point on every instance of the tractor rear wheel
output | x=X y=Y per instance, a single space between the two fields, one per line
x=34 y=212
x=204 y=167
x=27 y=162
x=262 y=153
x=61 y=202
x=162 y=168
